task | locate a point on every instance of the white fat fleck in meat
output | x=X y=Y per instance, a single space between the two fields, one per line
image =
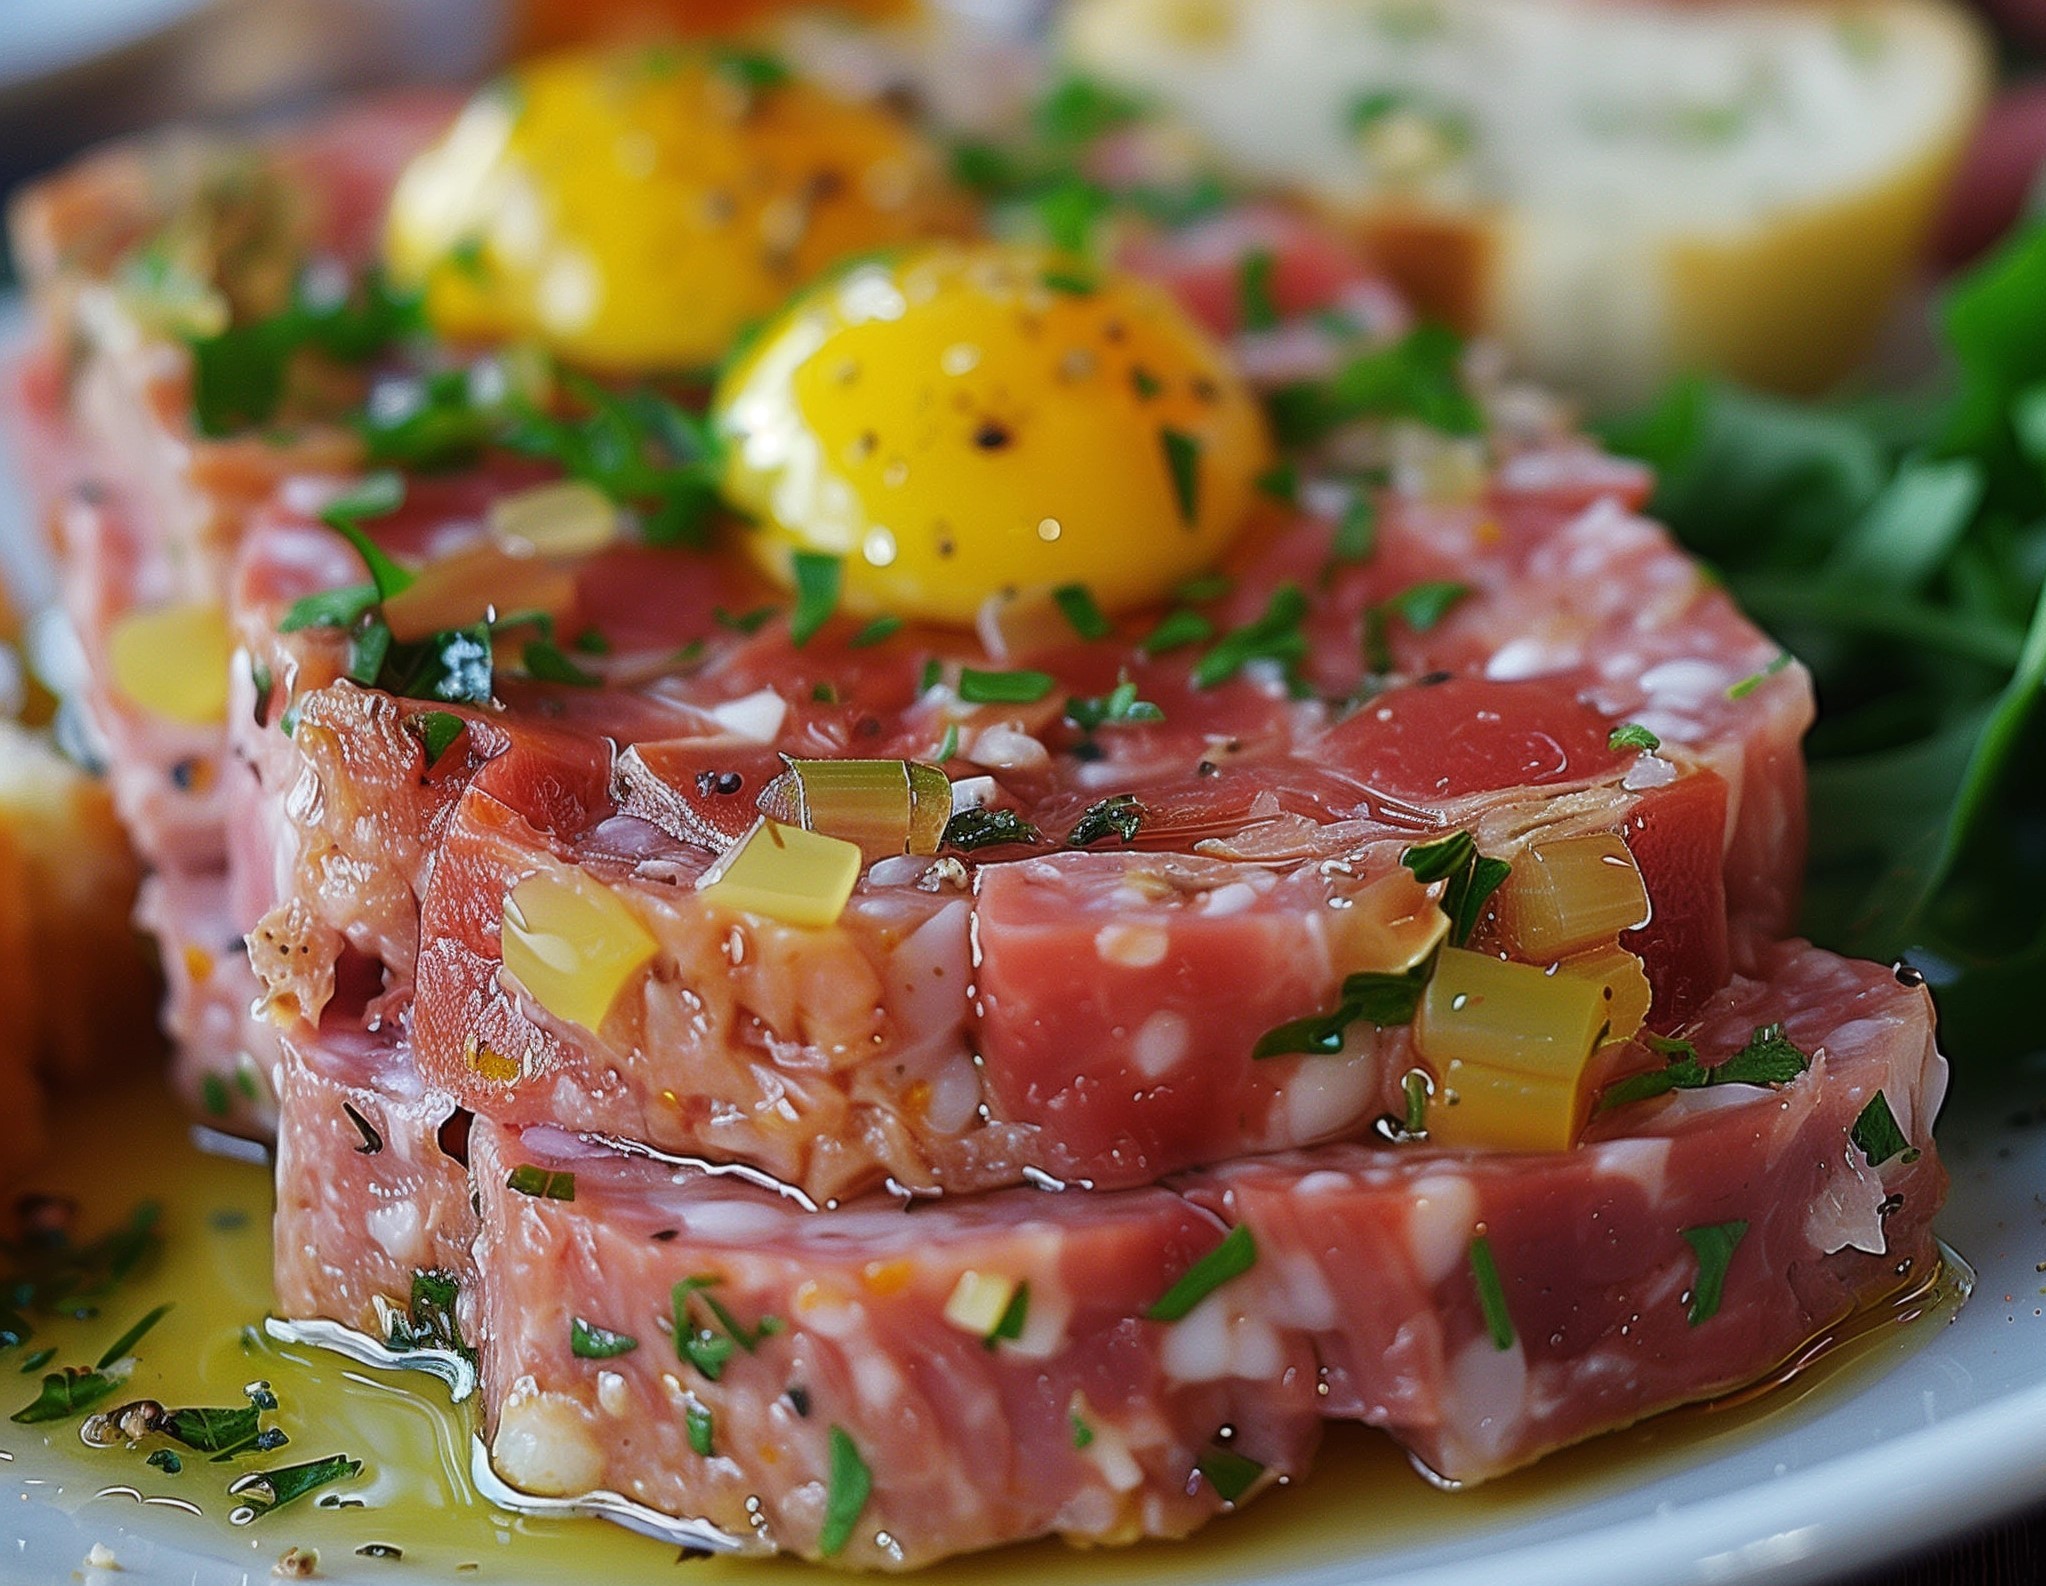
x=972 y=792
x=757 y=716
x=1846 y=1210
x=1299 y=1291
x=1328 y=1094
x=1488 y=1396
x=1051 y=1308
x=1648 y=771
x=1440 y=1218
x=1110 y=1452
x=397 y=1229
x=1233 y=897
x=1160 y=1043
x=1644 y=1162
x=1524 y=658
x=732 y=1222
x=1685 y=683
x=1212 y=1343
x=612 y=1395
x=824 y=1310
x=1004 y=747
x=543 y=1446
x=954 y=1096
x=1132 y=946
x=877 y=1380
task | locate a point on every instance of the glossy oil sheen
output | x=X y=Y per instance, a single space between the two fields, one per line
x=414 y=1494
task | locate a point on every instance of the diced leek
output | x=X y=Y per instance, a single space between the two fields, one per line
x=785 y=873
x=1389 y=926
x=1622 y=982
x=1018 y=623
x=885 y=806
x=1510 y=1044
x=482 y=581
x=1571 y=894
x=174 y=662
x=566 y=518
x=572 y=944
x=978 y=1302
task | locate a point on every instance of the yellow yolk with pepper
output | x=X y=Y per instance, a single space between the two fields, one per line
x=960 y=421
x=635 y=210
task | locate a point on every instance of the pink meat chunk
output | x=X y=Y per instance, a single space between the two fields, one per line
x=1694 y=1245
x=372 y=1191
x=1369 y=1253
x=831 y=1333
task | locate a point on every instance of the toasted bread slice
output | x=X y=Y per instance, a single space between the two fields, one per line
x=1619 y=191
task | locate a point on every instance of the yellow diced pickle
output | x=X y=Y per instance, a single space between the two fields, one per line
x=471 y=585
x=1510 y=1044
x=1622 y=982
x=885 y=806
x=566 y=518
x=786 y=874
x=174 y=662
x=1388 y=927
x=572 y=944
x=1570 y=894
x=978 y=1301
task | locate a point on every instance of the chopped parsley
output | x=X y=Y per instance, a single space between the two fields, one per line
x=753 y=70
x=1714 y=1244
x=1876 y=1135
x=1491 y=1293
x=212 y=1430
x=1632 y=735
x=746 y=622
x=972 y=828
x=1119 y=707
x=1231 y=1474
x=875 y=632
x=1384 y=1000
x=73 y=1391
x=265 y=1490
x=1009 y=1325
x=1077 y=605
x=1419 y=377
x=1275 y=636
x=1083 y=1434
x=702 y=1429
x=845 y=1493
x=1768 y=1059
x=165 y=1460
x=1356 y=530
x=541 y=1183
x=707 y=1346
x=1421 y=607
x=1414 y=1085
x=1755 y=680
x=587 y=1341
x=1003 y=688
x=377 y=495
x=1234 y=1256
x=1255 y=305
x=429 y=1320
x=436 y=731
x=545 y=663
x=817 y=586
x=1177 y=629
x=1118 y=815
x=1281 y=482
x=1471 y=878
x=1183 y=460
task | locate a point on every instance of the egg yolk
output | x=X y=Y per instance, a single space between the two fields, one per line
x=961 y=421
x=635 y=210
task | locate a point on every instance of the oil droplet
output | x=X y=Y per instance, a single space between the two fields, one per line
x=878 y=547
x=1049 y=529
x=896 y=474
x=959 y=358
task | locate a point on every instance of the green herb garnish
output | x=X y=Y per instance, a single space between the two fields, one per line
x=817 y=586
x=1183 y=460
x=541 y=1183
x=1003 y=688
x=1876 y=1135
x=845 y=1494
x=1491 y=1293
x=266 y=1490
x=587 y=1341
x=1119 y=815
x=1231 y=1474
x=969 y=829
x=1076 y=604
x=1471 y=878
x=1009 y=1325
x=1234 y=1256
x=1714 y=1244
x=1768 y=1059
x=1255 y=305
x=1632 y=735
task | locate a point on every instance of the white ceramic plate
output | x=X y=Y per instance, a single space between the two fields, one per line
x=1938 y=1426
